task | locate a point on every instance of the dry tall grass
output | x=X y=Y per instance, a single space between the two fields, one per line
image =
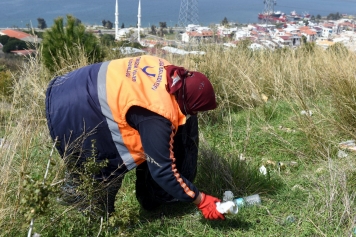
x=26 y=140
x=307 y=78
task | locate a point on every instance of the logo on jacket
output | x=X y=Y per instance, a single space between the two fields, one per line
x=176 y=78
x=147 y=73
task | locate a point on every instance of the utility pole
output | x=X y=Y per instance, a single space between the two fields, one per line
x=269 y=9
x=188 y=13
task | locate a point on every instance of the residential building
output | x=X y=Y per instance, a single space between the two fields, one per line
x=284 y=40
x=318 y=31
x=294 y=35
x=21 y=35
x=196 y=33
x=310 y=34
x=224 y=31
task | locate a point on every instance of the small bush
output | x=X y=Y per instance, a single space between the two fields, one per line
x=14 y=44
x=6 y=86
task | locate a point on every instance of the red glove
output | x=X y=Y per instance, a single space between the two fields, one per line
x=208 y=207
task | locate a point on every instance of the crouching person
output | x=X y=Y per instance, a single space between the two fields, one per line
x=128 y=113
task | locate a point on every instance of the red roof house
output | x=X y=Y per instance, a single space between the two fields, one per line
x=20 y=35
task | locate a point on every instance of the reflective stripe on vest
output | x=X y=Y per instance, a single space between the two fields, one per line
x=113 y=126
x=138 y=81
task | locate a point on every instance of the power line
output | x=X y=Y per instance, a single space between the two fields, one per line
x=188 y=13
x=269 y=9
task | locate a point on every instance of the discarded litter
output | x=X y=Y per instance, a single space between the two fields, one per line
x=349 y=145
x=269 y=163
x=298 y=187
x=264 y=97
x=259 y=97
x=341 y=154
x=263 y=170
x=306 y=112
x=282 y=164
x=288 y=130
x=290 y=219
x=242 y=157
x=228 y=196
x=354 y=230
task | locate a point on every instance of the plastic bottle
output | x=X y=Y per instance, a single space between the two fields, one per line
x=231 y=206
x=248 y=201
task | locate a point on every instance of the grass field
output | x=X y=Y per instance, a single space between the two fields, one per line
x=275 y=107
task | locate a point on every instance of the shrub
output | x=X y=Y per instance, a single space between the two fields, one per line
x=5 y=84
x=4 y=39
x=65 y=47
x=107 y=39
x=14 y=44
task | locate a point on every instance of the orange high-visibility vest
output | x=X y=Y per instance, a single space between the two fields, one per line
x=137 y=81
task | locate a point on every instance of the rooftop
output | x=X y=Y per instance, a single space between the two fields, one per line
x=14 y=33
x=20 y=35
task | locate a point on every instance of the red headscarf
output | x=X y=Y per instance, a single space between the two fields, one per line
x=193 y=90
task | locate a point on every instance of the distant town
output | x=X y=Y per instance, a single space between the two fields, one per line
x=272 y=31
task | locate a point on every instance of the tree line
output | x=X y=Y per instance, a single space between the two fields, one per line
x=161 y=30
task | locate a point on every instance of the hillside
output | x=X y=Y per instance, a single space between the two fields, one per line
x=275 y=107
